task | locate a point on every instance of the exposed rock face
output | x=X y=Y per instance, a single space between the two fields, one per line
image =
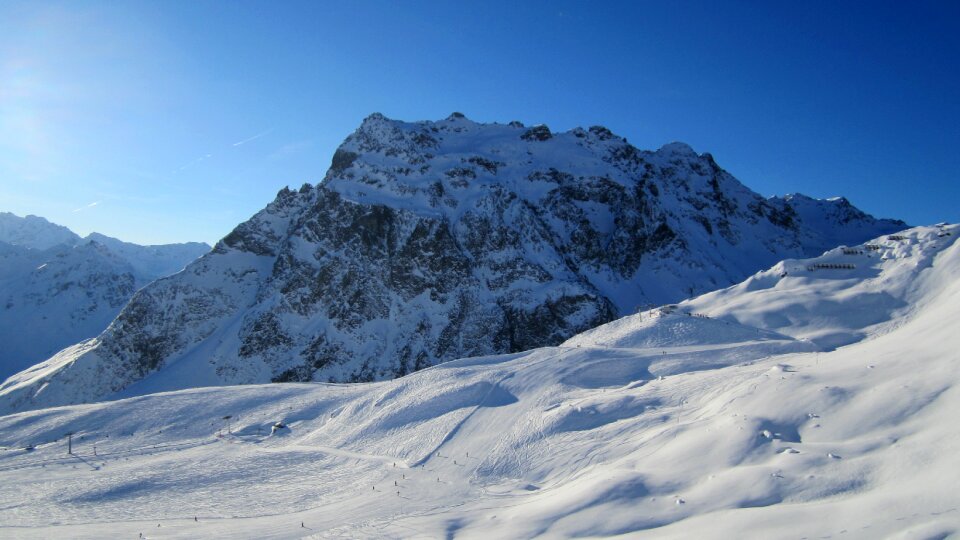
x=430 y=241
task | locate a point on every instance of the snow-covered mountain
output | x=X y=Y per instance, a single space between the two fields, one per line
x=430 y=241
x=34 y=232
x=152 y=261
x=677 y=422
x=57 y=289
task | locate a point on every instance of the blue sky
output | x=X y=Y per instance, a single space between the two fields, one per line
x=174 y=121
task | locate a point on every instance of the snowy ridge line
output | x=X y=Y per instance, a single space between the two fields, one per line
x=946 y=234
x=883 y=293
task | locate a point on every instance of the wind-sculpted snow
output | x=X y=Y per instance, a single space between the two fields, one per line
x=431 y=241
x=704 y=428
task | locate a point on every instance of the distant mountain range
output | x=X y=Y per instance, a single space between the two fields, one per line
x=430 y=241
x=57 y=288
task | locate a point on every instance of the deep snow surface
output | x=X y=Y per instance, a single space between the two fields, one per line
x=660 y=424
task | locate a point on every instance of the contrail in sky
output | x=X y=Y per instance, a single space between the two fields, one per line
x=208 y=156
x=194 y=162
x=257 y=136
x=91 y=205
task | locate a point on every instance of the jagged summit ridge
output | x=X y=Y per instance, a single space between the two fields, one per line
x=428 y=241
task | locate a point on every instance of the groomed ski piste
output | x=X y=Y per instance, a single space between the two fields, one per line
x=817 y=399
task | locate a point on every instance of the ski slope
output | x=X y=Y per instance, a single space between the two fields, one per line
x=662 y=424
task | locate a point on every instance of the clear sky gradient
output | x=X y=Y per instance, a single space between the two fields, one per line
x=174 y=121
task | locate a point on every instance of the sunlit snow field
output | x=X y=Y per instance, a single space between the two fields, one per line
x=810 y=401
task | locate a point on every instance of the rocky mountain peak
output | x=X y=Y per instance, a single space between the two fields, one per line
x=428 y=241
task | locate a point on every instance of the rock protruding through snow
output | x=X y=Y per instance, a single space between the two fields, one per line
x=429 y=241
